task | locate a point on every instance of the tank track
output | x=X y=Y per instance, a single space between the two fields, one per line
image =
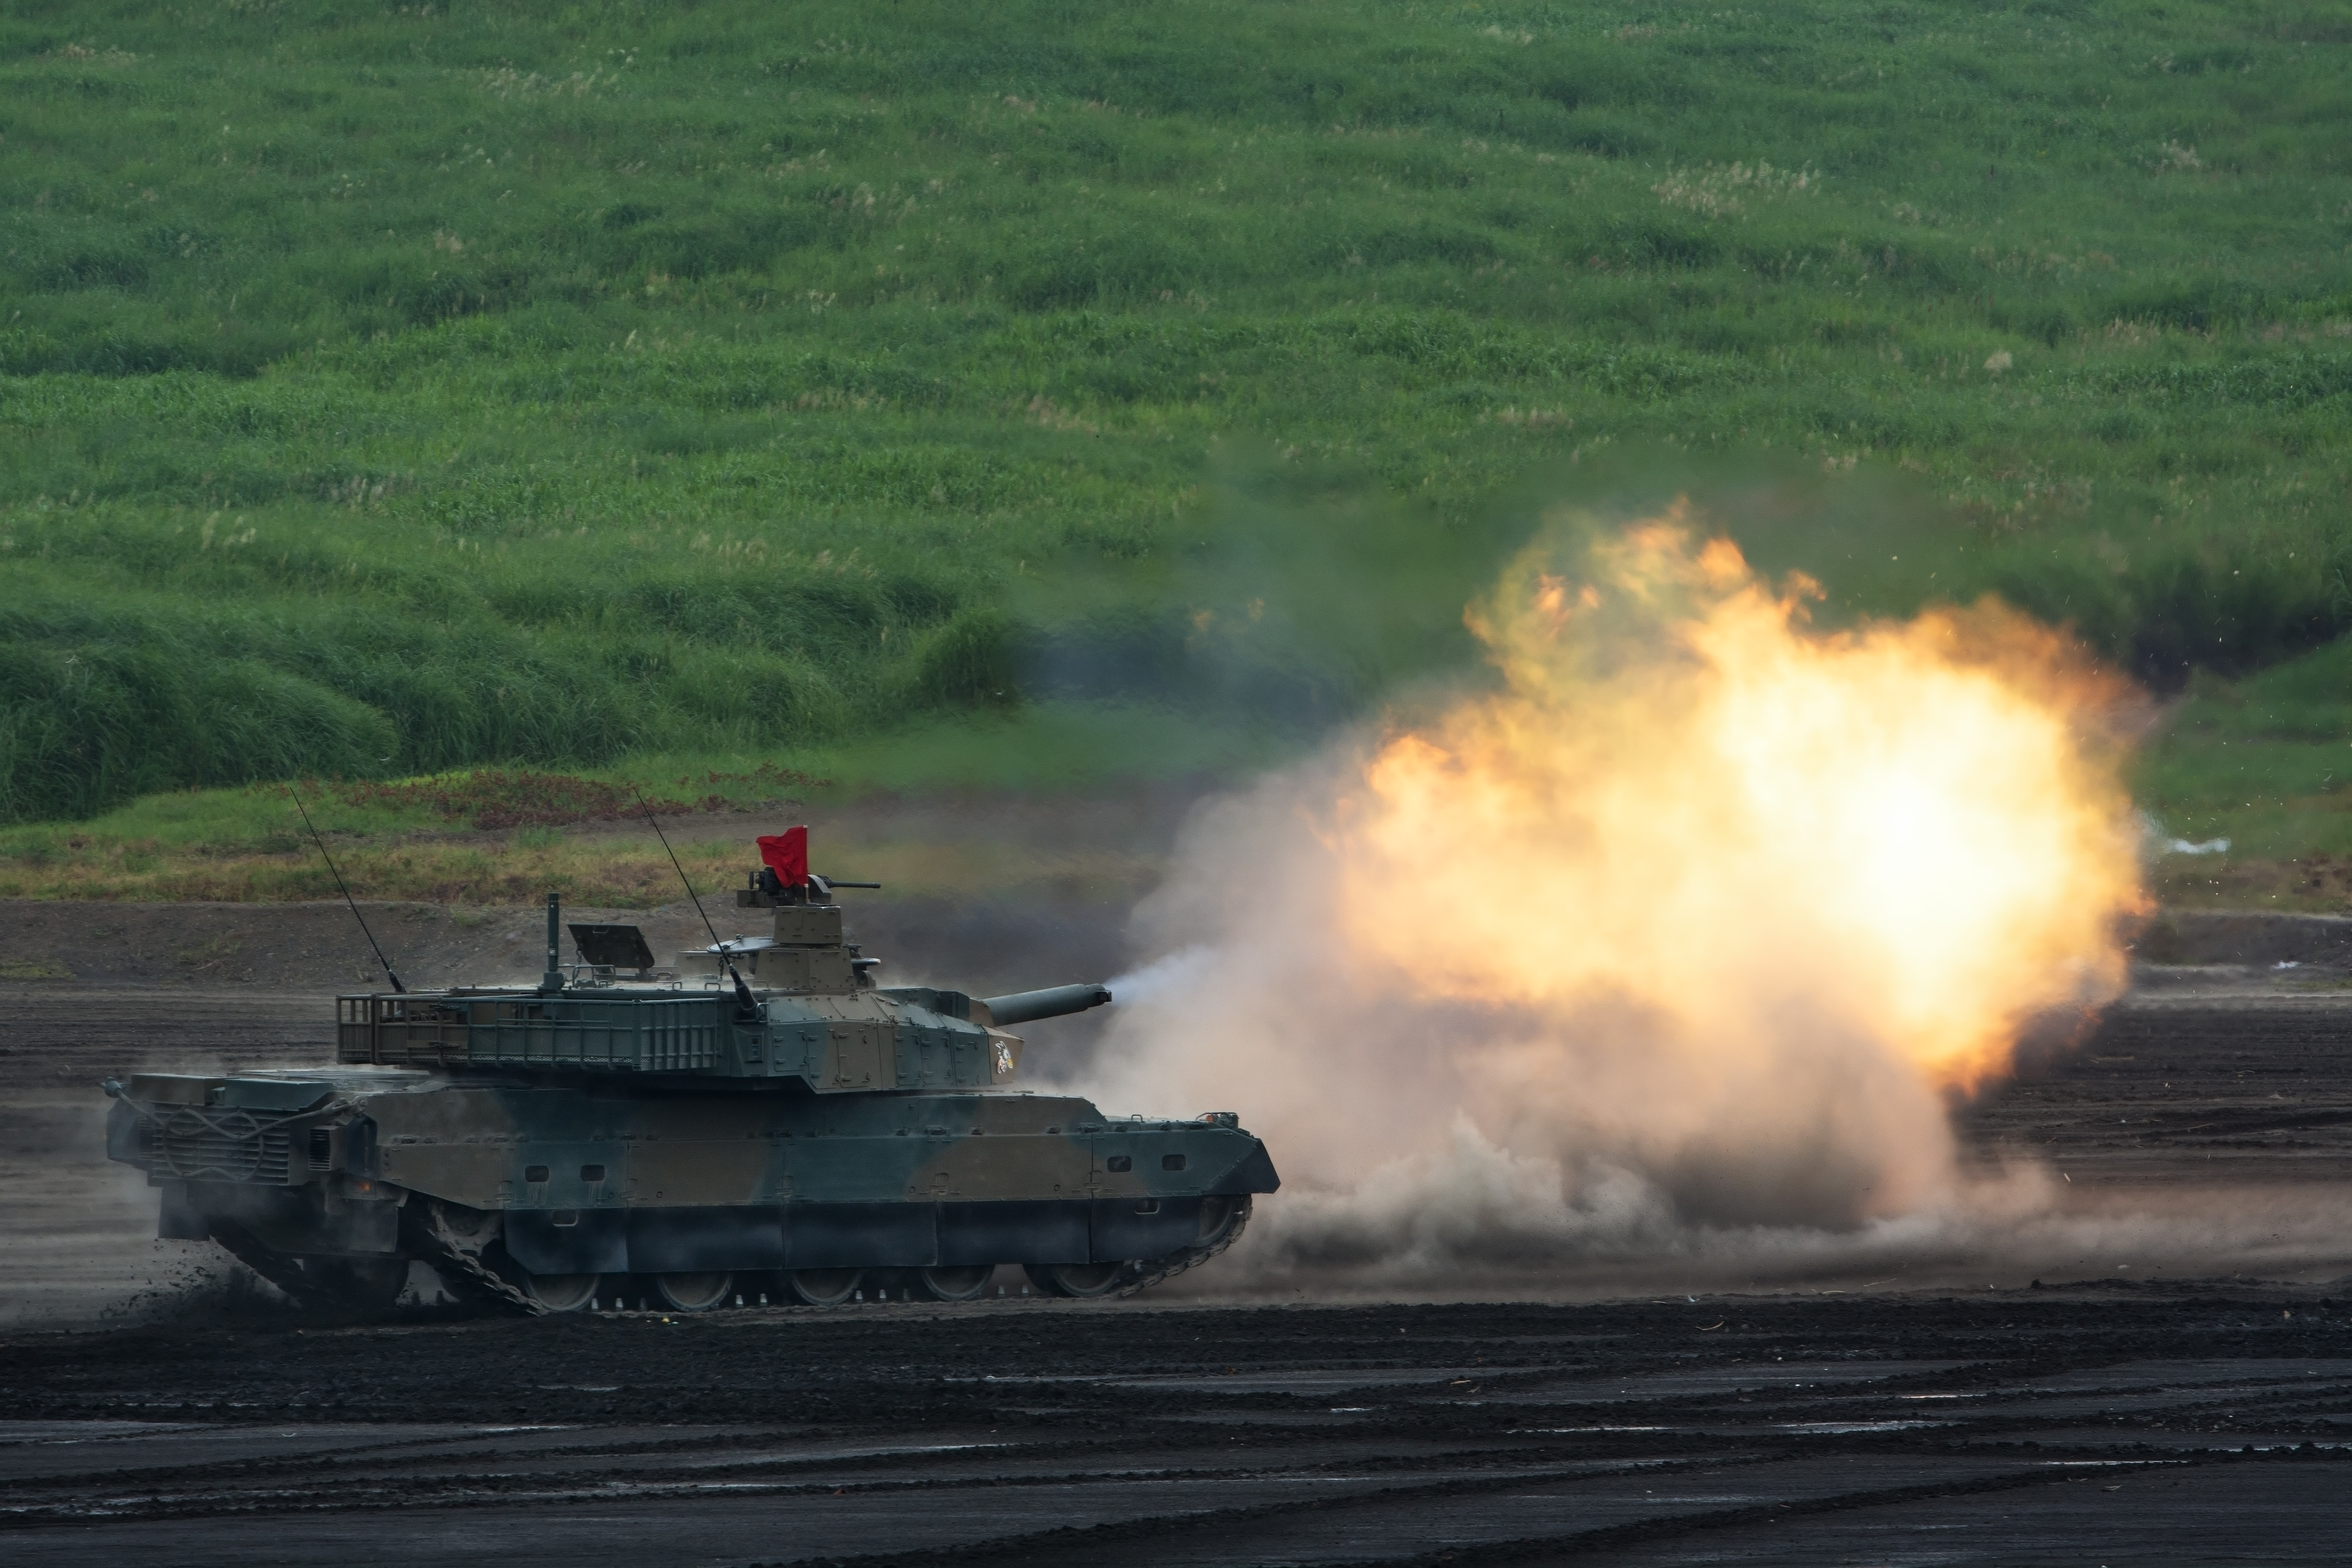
x=457 y=1253
x=1175 y=1263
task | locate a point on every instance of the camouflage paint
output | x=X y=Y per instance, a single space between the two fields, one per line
x=659 y=1127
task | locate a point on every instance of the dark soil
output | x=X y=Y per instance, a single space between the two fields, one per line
x=2074 y=1420
x=2113 y=1424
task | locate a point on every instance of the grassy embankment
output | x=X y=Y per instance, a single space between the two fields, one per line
x=651 y=392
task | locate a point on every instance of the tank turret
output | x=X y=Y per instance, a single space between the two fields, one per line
x=756 y=1121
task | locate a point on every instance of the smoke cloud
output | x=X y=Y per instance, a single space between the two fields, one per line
x=1674 y=948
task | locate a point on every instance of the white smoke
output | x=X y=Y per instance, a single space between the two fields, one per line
x=1667 y=950
x=1154 y=983
x=1426 y=1142
x=1441 y=1131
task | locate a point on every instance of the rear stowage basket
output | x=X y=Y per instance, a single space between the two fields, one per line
x=665 y=1034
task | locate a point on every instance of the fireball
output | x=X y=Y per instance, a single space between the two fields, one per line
x=1686 y=798
x=1699 y=916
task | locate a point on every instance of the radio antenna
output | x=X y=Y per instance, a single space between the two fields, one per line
x=329 y=859
x=743 y=992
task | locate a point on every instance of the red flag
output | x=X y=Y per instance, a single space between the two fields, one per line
x=786 y=854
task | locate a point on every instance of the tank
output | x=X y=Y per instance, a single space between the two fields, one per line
x=757 y=1121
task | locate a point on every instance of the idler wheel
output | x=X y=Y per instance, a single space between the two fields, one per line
x=559 y=1292
x=1218 y=1216
x=693 y=1293
x=957 y=1284
x=823 y=1287
x=1081 y=1281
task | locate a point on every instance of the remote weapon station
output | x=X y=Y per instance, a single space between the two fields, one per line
x=759 y=1119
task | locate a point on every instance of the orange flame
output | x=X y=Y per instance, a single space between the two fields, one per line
x=1687 y=798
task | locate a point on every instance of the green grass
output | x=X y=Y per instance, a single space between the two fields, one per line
x=2265 y=764
x=489 y=836
x=385 y=391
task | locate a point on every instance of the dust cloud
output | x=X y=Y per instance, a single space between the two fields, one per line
x=1673 y=949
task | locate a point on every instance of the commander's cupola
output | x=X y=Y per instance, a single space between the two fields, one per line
x=806 y=952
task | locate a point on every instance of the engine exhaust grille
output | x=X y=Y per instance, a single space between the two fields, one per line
x=202 y=1143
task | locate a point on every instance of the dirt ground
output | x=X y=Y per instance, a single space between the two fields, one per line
x=2086 y=1424
x=155 y=1405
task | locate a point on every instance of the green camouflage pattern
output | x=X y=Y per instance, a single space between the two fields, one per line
x=673 y=1127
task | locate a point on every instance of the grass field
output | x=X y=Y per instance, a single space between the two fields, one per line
x=387 y=390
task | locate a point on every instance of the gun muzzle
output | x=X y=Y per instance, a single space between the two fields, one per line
x=1027 y=1007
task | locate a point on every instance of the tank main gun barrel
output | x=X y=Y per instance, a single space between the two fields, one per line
x=1027 y=1007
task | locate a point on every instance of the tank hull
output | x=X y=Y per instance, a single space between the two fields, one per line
x=683 y=1128
x=530 y=1178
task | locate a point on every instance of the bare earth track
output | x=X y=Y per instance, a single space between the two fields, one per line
x=2097 y=1420
x=2113 y=1425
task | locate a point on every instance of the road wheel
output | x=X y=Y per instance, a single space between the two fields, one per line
x=559 y=1292
x=823 y=1287
x=694 y=1292
x=1077 y=1279
x=957 y=1284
